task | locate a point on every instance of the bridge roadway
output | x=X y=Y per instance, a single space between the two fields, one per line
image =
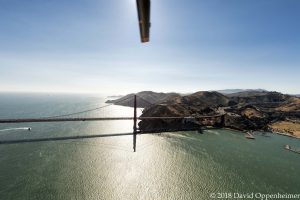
x=31 y=120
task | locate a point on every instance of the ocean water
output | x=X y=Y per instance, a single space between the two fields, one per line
x=182 y=165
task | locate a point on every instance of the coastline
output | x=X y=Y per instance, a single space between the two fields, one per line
x=243 y=131
x=270 y=131
x=285 y=134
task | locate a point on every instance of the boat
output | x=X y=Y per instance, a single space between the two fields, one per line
x=249 y=135
x=288 y=147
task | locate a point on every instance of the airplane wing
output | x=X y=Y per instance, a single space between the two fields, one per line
x=143 y=8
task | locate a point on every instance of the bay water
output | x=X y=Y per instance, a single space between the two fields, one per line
x=181 y=165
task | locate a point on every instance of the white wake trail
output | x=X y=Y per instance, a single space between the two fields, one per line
x=15 y=129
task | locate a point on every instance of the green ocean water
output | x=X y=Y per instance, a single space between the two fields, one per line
x=183 y=165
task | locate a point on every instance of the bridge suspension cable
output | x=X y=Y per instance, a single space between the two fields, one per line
x=84 y=111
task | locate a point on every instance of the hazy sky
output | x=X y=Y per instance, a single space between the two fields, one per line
x=94 y=46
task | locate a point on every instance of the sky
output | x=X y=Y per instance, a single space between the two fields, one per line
x=93 y=46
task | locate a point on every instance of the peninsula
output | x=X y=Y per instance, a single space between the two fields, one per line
x=246 y=110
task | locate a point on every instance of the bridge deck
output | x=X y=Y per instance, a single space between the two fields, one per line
x=31 y=120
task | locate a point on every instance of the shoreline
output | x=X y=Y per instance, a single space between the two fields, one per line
x=285 y=134
x=270 y=131
x=243 y=131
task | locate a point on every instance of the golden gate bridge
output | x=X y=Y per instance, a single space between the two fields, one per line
x=68 y=118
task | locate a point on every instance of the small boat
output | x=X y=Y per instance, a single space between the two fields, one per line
x=288 y=147
x=249 y=135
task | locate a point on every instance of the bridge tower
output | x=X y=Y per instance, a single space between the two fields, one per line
x=134 y=125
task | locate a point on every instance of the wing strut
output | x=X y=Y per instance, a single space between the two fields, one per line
x=143 y=8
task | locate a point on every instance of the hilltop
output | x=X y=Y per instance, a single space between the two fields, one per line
x=159 y=97
x=144 y=98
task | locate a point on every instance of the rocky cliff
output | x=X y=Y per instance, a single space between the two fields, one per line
x=251 y=111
